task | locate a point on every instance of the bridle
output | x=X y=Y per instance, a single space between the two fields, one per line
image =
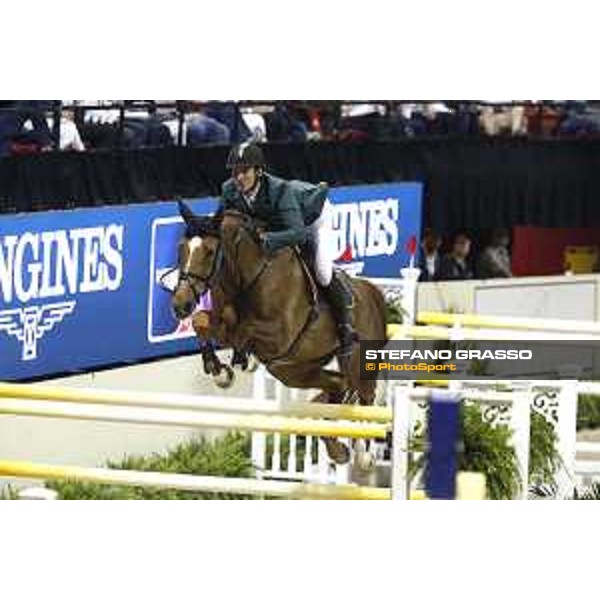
x=216 y=270
x=193 y=279
x=207 y=280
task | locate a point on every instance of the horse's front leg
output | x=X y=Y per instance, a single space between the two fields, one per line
x=211 y=363
x=238 y=338
x=207 y=334
x=223 y=375
x=240 y=358
x=227 y=335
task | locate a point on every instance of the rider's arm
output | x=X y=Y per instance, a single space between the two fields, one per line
x=292 y=232
x=299 y=205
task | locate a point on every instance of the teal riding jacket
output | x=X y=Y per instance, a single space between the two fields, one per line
x=287 y=207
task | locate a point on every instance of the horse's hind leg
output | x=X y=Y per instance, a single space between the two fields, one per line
x=366 y=390
x=334 y=389
x=337 y=451
x=305 y=376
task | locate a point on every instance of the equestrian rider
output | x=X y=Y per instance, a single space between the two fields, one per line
x=296 y=214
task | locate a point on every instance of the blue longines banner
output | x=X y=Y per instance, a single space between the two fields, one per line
x=80 y=289
x=376 y=222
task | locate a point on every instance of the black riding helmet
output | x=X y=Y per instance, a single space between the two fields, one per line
x=246 y=155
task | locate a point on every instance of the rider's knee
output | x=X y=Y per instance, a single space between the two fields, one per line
x=323 y=273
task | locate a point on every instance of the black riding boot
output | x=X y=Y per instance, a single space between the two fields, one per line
x=339 y=296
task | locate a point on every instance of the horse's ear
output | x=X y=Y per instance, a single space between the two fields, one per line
x=196 y=225
x=186 y=212
x=207 y=226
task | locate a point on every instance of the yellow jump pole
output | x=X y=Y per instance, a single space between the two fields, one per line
x=435 y=383
x=376 y=414
x=182 y=418
x=517 y=323
x=438 y=332
x=193 y=483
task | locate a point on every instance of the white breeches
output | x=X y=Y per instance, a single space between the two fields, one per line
x=323 y=244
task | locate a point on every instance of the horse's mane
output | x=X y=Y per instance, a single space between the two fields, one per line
x=237 y=220
x=247 y=221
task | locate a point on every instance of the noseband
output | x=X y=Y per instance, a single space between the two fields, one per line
x=210 y=280
x=207 y=280
x=194 y=278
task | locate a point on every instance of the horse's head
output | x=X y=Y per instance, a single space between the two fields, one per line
x=199 y=258
x=208 y=244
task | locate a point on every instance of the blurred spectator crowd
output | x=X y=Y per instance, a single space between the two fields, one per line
x=455 y=259
x=30 y=126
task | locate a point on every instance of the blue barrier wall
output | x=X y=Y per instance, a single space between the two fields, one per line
x=79 y=289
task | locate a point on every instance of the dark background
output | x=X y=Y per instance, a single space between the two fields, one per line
x=471 y=183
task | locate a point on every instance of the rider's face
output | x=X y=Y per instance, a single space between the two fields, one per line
x=245 y=178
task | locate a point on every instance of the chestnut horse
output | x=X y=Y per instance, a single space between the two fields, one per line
x=268 y=304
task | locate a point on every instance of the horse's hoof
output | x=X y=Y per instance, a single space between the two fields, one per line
x=364 y=461
x=253 y=364
x=239 y=360
x=337 y=451
x=225 y=378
